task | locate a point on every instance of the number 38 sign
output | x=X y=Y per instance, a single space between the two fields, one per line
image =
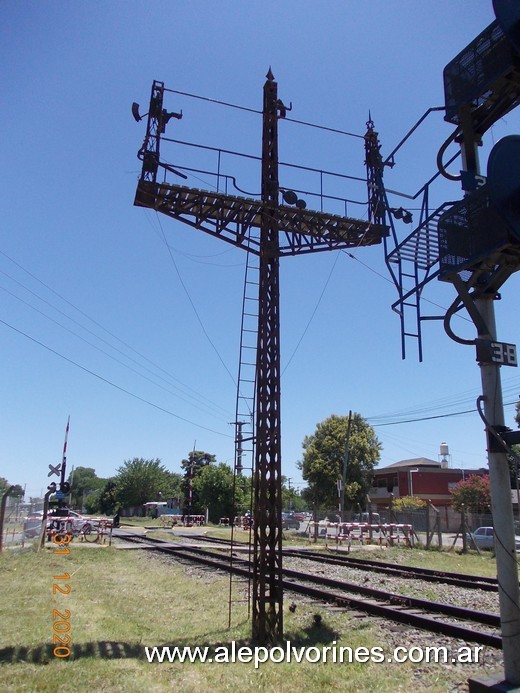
x=499 y=353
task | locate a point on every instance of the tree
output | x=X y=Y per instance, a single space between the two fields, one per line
x=83 y=481
x=16 y=492
x=323 y=457
x=108 y=502
x=91 y=503
x=291 y=499
x=473 y=493
x=139 y=481
x=214 y=488
x=197 y=460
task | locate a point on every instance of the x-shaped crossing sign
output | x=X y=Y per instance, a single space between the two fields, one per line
x=54 y=469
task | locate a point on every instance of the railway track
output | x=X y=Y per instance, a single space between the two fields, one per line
x=456 y=579
x=449 y=620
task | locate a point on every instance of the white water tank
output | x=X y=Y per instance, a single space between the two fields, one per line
x=444 y=455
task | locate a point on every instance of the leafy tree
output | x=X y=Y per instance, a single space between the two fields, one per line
x=214 y=488
x=83 y=480
x=197 y=460
x=291 y=499
x=17 y=491
x=108 y=502
x=139 y=481
x=323 y=456
x=92 y=502
x=473 y=493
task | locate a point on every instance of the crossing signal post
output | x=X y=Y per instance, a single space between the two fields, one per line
x=479 y=249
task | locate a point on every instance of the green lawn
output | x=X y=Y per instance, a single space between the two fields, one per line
x=122 y=600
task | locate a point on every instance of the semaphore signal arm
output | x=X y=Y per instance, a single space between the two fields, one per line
x=230 y=217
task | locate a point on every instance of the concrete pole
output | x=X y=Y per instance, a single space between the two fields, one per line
x=3 y=504
x=507 y=568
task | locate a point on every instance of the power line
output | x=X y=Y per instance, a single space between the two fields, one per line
x=438 y=416
x=258 y=112
x=171 y=377
x=206 y=334
x=94 y=346
x=112 y=384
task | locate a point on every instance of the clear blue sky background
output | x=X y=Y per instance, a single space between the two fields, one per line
x=102 y=322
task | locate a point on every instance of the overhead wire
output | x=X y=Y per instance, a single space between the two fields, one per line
x=429 y=418
x=192 y=304
x=170 y=380
x=111 y=383
x=259 y=112
x=112 y=357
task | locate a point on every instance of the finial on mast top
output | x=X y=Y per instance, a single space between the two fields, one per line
x=270 y=75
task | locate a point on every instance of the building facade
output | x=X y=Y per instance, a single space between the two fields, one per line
x=419 y=477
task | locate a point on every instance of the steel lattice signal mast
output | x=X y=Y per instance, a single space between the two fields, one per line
x=284 y=230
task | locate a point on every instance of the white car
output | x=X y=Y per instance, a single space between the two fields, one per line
x=484 y=538
x=32 y=525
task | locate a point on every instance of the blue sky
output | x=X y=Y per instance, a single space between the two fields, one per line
x=103 y=322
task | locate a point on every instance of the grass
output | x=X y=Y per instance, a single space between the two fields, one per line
x=122 y=600
x=437 y=559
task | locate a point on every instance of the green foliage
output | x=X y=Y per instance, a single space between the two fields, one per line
x=16 y=492
x=139 y=481
x=408 y=503
x=91 y=502
x=473 y=493
x=83 y=481
x=108 y=501
x=291 y=499
x=213 y=486
x=323 y=457
x=197 y=460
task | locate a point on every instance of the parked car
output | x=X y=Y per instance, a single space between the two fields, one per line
x=484 y=538
x=289 y=521
x=32 y=525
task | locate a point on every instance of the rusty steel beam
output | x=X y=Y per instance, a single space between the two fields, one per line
x=267 y=560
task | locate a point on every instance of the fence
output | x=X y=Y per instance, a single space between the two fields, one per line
x=435 y=526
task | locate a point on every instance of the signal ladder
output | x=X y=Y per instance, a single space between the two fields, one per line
x=239 y=587
x=413 y=263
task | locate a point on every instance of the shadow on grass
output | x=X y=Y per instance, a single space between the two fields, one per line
x=315 y=634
